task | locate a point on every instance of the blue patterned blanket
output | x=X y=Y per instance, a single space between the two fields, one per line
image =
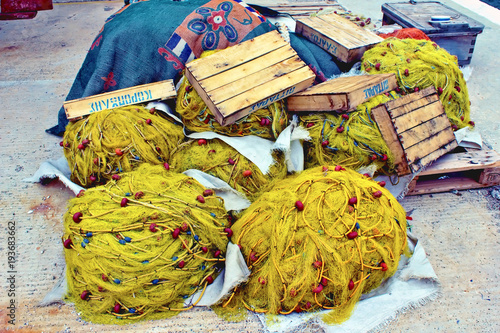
x=151 y=41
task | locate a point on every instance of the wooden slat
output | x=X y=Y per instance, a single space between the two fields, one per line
x=381 y=117
x=356 y=33
x=445 y=185
x=428 y=159
x=346 y=84
x=319 y=39
x=261 y=92
x=264 y=103
x=377 y=86
x=415 y=135
x=490 y=177
x=245 y=79
x=410 y=98
x=202 y=93
x=412 y=105
x=329 y=31
x=338 y=36
x=431 y=144
x=243 y=85
x=462 y=170
x=305 y=8
x=236 y=55
x=249 y=68
x=343 y=93
x=128 y=96
x=417 y=116
x=317 y=103
x=471 y=160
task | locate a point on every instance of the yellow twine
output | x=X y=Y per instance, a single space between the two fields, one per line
x=351 y=139
x=220 y=160
x=317 y=240
x=419 y=64
x=125 y=261
x=109 y=142
x=197 y=117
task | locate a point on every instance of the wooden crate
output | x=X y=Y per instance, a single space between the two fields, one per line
x=338 y=36
x=134 y=95
x=459 y=171
x=299 y=9
x=341 y=94
x=249 y=76
x=416 y=129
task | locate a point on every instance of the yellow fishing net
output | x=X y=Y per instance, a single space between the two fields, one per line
x=197 y=117
x=109 y=142
x=317 y=240
x=419 y=64
x=220 y=160
x=351 y=139
x=137 y=247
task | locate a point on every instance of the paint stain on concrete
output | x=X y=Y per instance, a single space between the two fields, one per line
x=9 y=48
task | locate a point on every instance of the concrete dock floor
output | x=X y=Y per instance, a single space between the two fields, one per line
x=39 y=59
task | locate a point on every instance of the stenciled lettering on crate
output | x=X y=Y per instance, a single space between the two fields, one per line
x=341 y=94
x=416 y=129
x=121 y=100
x=338 y=36
x=249 y=76
x=162 y=90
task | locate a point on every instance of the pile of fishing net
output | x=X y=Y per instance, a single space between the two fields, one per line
x=404 y=33
x=419 y=64
x=197 y=117
x=107 y=143
x=218 y=159
x=138 y=246
x=317 y=240
x=351 y=139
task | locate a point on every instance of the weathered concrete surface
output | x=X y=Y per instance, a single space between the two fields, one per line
x=39 y=59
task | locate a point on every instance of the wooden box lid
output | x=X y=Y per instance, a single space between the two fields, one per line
x=128 y=96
